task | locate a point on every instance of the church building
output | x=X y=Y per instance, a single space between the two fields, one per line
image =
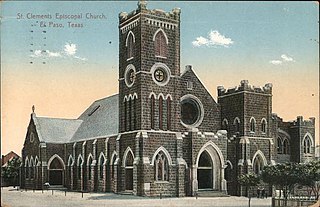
x=163 y=133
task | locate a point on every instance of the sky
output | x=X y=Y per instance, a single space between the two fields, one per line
x=63 y=67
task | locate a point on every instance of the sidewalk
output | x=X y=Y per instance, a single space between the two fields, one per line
x=10 y=197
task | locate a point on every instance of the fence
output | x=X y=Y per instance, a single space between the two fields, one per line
x=279 y=202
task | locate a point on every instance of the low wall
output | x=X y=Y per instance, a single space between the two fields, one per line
x=279 y=202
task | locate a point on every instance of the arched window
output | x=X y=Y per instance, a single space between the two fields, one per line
x=129 y=171
x=252 y=125
x=257 y=165
x=279 y=146
x=26 y=165
x=161 y=167
x=307 y=145
x=168 y=113
x=160 y=112
x=101 y=164
x=225 y=124
x=89 y=163
x=264 y=126
x=134 y=114
x=130 y=115
x=286 y=147
x=130 y=45
x=152 y=111
x=237 y=124
x=31 y=168
x=79 y=166
x=160 y=44
x=125 y=115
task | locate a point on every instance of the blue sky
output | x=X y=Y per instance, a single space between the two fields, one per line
x=225 y=42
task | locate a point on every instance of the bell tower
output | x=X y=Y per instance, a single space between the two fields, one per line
x=149 y=69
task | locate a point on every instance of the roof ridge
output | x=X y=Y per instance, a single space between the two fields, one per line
x=106 y=97
x=43 y=117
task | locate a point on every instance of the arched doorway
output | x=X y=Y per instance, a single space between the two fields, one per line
x=129 y=171
x=205 y=171
x=56 y=168
x=209 y=169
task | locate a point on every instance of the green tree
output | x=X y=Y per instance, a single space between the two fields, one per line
x=10 y=173
x=284 y=176
x=249 y=180
x=310 y=177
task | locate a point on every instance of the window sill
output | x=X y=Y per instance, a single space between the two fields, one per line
x=161 y=182
x=129 y=58
x=158 y=56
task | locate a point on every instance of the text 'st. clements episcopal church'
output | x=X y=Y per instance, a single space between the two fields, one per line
x=164 y=132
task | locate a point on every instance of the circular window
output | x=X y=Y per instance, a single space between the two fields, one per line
x=130 y=75
x=160 y=74
x=191 y=111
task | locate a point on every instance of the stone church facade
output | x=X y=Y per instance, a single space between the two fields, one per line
x=163 y=133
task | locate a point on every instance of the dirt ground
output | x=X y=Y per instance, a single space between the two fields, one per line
x=10 y=197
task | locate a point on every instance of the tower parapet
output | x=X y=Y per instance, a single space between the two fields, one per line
x=306 y=123
x=170 y=17
x=245 y=87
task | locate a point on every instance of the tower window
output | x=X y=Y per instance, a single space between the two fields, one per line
x=237 y=124
x=160 y=42
x=264 y=126
x=130 y=115
x=152 y=111
x=160 y=112
x=225 y=124
x=125 y=114
x=252 y=125
x=307 y=145
x=130 y=45
x=168 y=113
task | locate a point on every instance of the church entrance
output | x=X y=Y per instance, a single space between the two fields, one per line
x=129 y=172
x=205 y=171
x=56 y=172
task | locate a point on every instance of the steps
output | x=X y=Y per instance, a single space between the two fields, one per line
x=211 y=193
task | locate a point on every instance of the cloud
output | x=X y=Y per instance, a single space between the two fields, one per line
x=214 y=39
x=276 y=62
x=69 y=50
x=284 y=58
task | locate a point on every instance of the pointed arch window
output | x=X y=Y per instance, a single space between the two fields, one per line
x=168 y=113
x=225 y=124
x=307 y=145
x=160 y=44
x=130 y=45
x=152 y=111
x=90 y=168
x=101 y=167
x=263 y=126
x=279 y=146
x=125 y=115
x=160 y=112
x=257 y=165
x=286 y=147
x=130 y=115
x=134 y=113
x=237 y=125
x=252 y=125
x=161 y=167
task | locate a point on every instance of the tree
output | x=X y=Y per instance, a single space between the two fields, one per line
x=285 y=176
x=10 y=173
x=310 y=177
x=249 y=180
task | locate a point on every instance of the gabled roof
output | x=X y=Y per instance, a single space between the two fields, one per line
x=55 y=130
x=100 y=119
